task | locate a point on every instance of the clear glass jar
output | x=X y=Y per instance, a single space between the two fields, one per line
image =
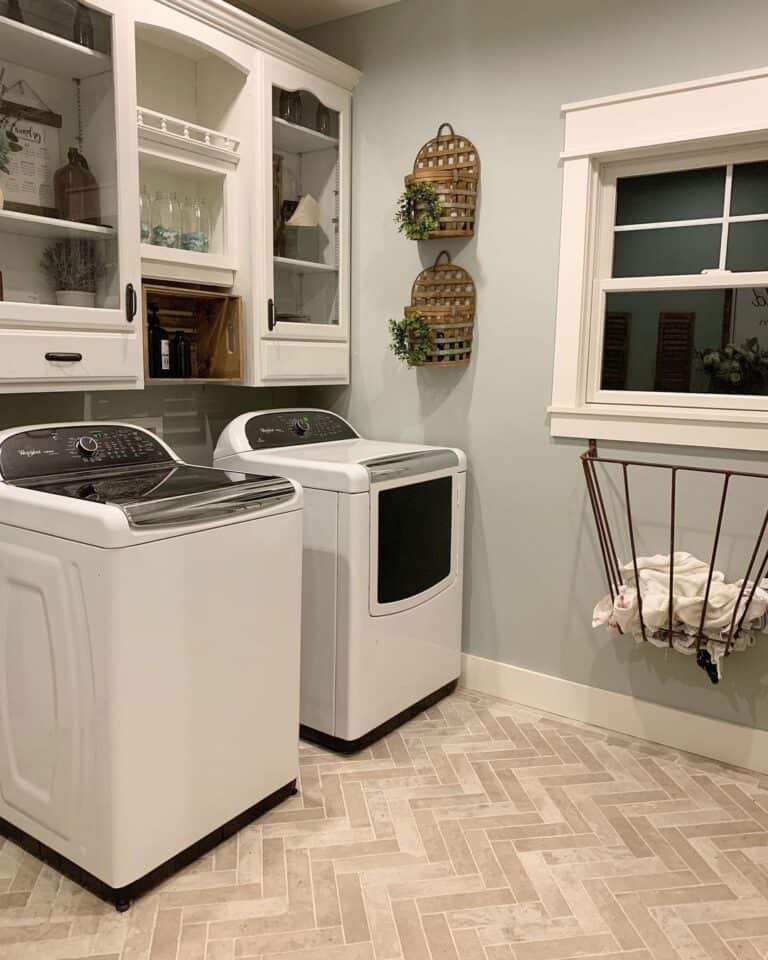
x=145 y=216
x=195 y=226
x=166 y=220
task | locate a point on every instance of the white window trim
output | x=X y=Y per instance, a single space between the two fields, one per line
x=708 y=118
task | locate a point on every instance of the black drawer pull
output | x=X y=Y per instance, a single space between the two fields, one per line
x=271 y=321
x=64 y=357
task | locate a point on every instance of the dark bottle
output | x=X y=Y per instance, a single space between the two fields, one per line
x=82 y=28
x=181 y=355
x=159 y=346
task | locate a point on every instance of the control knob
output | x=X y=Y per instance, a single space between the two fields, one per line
x=87 y=446
x=301 y=426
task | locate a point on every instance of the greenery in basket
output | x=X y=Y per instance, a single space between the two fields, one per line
x=72 y=265
x=418 y=211
x=735 y=369
x=411 y=338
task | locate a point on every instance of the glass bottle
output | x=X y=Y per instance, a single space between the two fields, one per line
x=196 y=226
x=323 y=119
x=145 y=216
x=82 y=28
x=159 y=347
x=181 y=354
x=290 y=106
x=166 y=229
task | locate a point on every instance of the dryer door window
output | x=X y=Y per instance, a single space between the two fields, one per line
x=413 y=555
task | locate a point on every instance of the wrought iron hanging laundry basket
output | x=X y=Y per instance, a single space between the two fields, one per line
x=709 y=627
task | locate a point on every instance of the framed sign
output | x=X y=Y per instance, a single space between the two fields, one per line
x=28 y=185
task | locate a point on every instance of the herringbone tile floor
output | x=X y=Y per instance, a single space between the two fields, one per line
x=479 y=831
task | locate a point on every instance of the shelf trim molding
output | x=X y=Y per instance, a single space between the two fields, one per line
x=177 y=133
x=244 y=26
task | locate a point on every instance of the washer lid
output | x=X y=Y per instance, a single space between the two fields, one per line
x=169 y=494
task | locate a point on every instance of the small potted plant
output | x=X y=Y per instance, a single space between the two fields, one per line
x=411 y=338
x=73 y=268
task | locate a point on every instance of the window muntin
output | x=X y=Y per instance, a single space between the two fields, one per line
x=677 y=238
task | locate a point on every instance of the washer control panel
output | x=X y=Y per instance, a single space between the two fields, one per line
x=51 y=451
x=292 y=428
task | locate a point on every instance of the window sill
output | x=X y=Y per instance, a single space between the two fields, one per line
x=727 y=430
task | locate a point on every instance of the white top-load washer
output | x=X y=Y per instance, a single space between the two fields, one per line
x=149 y=651
x=383 y=567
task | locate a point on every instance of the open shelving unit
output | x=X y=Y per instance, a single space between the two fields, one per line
x=189 y=97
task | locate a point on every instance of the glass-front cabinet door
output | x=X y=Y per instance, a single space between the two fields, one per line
x=307 y=124
x=67 y=176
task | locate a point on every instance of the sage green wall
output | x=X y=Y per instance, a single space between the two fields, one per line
x=499 y=71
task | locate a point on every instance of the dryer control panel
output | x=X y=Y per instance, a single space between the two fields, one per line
x=293 y=428
x=55 y=450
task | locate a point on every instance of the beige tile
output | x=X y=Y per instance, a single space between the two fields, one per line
x=410 y=931
x=353 y=915
x=166 y=936
x=327 y=909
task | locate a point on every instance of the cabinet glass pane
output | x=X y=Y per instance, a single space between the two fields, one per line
x=667 y=251
x=750 y=189
x=58 y=169
x=305 y=208
x=748 y=246
x=662 y=197
x=687 y=341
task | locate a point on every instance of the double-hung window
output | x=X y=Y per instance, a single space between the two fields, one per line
x=663 y=298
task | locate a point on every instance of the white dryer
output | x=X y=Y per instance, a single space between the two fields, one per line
x=149 y=651
x=383 y=567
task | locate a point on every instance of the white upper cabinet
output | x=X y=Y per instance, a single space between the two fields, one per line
x=209 y=150
x=305 y=171
x=68 y=256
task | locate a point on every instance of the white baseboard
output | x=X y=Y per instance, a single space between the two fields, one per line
x=717 y=739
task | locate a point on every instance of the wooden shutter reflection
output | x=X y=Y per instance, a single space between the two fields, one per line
x=674 y=351
x=615 y=351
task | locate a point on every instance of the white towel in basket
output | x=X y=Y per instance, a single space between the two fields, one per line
x=688 y=593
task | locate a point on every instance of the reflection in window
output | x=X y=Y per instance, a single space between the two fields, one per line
x=687 y=341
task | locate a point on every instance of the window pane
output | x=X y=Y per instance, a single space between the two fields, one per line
x=654 y=340
x=660 y=197
x=748 y=246
x=750 y=189
x=666 y=252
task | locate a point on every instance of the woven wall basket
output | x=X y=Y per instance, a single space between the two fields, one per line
x=444 y=295
x=451 y=164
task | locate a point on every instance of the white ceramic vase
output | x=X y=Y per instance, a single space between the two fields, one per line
x=75 y=298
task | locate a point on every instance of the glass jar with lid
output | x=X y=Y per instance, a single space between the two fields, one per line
x=195 y=226
x=166 y=220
